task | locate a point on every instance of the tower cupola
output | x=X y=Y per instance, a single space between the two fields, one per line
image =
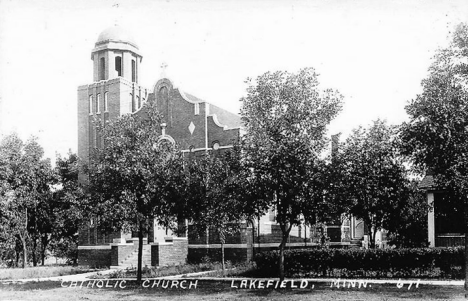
x=116 y=55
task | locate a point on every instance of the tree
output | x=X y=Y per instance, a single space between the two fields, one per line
x=26 y=181
x=215 y=182
x=436 y=136
x=127 y=174
x=67 y=209
x=407 y=221
x=285 y=117
x=375 y=178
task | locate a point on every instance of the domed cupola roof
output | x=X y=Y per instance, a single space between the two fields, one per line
x=116 y=38
x=116 y=34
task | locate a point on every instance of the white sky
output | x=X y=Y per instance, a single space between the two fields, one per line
x=374 y=52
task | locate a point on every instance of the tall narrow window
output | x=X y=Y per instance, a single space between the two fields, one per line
x=106 y=108
x=102 y=68
x=98 y=139
x=138 y=102
x=197 y=108
x=98 y=103
x=90 y=104
x=133 y=71
x=118 y=65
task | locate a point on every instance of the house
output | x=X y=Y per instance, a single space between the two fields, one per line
x=445 y=217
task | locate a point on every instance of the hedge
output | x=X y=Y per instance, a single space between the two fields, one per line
x=380 y=263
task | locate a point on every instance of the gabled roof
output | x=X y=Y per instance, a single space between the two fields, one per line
x=193 y=98
x=427 y=183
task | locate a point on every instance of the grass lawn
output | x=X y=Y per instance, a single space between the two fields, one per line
x=53 y=291
x=40 y=272
x=153 y=272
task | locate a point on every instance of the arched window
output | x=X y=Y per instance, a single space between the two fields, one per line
x=106 y=108
x=90 y=104
x=98 y=103
x=102 y=68
x=118 y=65
x=164 y=94
x=163 y=102
x=133 y=71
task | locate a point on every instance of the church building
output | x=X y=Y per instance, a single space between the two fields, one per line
x=196 y=126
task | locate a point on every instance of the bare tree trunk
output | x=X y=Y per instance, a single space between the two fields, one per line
x=17 y=258
x=285 y=229
x=371 y=234
x=25 y=250
x=34 y=251
x=281 y=256
x=258 y=232
x=466 y=247
x=374 y=234
x=253 y=238
x=23 y=240
x=44 y=243
x=222 y=239
x=140 y=251
x=371 y=242
x=222 y=259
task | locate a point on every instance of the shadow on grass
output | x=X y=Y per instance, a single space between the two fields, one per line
x=30 y=285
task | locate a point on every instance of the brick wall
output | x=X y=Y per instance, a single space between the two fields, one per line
x=219 y=134
x=169 y=253
x=197 y=255
x=179 y=111
x=95 y=256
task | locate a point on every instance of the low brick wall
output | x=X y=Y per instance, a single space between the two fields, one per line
x=171 y=252
x=198 y=254
x=94 y=256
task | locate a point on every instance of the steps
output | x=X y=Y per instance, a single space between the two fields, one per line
x=131 y=261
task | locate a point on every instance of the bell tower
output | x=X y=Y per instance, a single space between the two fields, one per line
x=114 y=90
x=116 y=55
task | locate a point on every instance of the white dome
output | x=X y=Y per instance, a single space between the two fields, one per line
x=115 y=34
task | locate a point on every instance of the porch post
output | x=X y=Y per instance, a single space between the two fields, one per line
x=430 y=220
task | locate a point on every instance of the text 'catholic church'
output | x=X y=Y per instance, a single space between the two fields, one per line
x=195 y=125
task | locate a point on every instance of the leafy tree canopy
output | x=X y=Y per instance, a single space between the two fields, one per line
x=128 y=174
x=285 y=117
x=373 y=175
x=436 y=136
x=26 y=180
